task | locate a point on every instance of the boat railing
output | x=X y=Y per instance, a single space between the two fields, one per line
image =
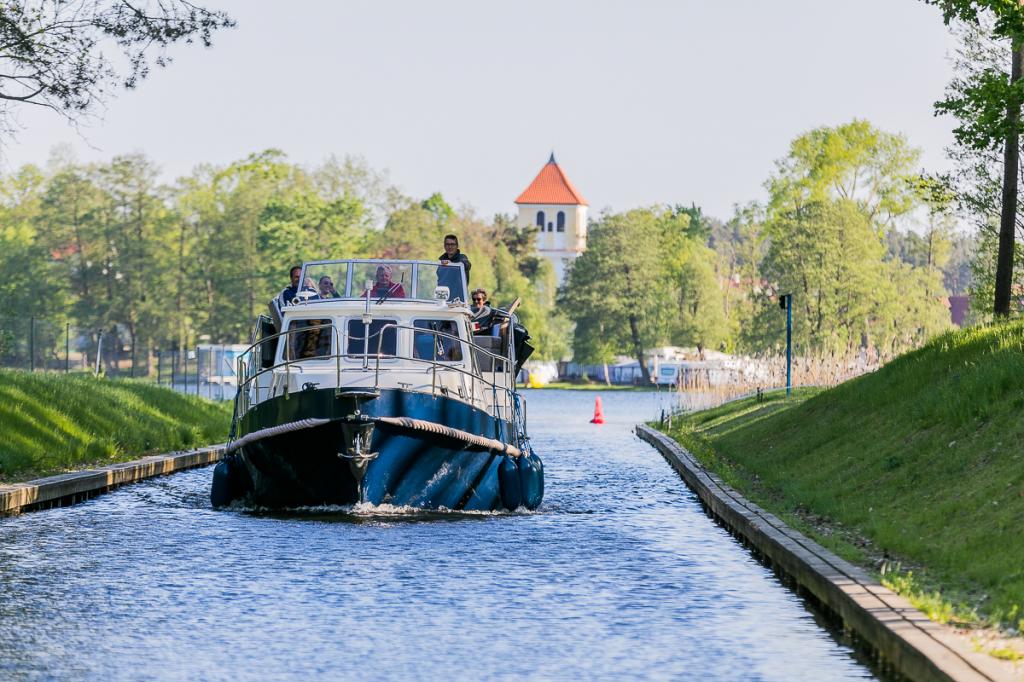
x=475 y=373
x=250 y=367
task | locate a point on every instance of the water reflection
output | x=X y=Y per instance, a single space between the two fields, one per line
x=619 y=573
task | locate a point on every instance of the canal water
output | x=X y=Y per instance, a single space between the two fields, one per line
x=619 y=574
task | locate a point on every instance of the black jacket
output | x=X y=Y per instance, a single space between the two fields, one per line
x=459 y=257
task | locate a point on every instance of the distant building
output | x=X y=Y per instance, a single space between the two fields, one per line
x=559 y=212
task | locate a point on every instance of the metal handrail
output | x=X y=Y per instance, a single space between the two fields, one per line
x=246 y=357
x=507 y=390
x=247 y=362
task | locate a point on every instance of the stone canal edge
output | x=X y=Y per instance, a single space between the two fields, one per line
x=71 y=488
x=913 y=645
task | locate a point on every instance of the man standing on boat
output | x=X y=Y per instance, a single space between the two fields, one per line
x=453 y=255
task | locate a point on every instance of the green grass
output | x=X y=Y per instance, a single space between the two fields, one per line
x=917 y=468
x=54 y=422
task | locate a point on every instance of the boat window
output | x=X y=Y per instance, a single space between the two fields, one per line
x=382 y=280
x=429 y=346
x=309 y=338
x=321 y=282
x=429 y=279
x=357 y=337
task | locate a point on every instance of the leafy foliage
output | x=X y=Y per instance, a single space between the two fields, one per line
x=51 y=50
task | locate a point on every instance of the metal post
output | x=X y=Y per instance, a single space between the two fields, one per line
x=99 y=351
x=789 y=345
x=158 y=368
x=32 y=343
x=186 y=371
x=67 y=347
x=197 y=370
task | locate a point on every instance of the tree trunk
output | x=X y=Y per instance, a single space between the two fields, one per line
x=1008 y=218
x=638 y=348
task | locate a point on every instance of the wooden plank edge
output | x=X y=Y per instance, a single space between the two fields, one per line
x=74 y=487
x=905 y=638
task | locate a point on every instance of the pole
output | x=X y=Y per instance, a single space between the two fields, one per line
x=186 y=371
x=158 y=368
x=99 y=351
x=32 y=343
x=197 y=370
x=789 y=345
x=67 y=347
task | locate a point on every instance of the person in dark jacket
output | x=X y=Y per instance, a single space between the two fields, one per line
x=290 y=292
x=453 y=255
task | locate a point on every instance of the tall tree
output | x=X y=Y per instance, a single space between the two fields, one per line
x=988 y=106
x=854 y=161
x=51 y=51
x=619 y=288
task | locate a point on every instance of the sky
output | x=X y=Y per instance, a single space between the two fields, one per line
x=642 y=102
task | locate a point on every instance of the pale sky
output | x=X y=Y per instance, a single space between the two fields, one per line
x=643 y=102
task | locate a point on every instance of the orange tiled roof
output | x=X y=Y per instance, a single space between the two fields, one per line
x=551 y=187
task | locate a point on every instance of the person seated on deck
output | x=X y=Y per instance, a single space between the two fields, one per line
x=326 y=288
x=482 y=315
x=383 y=286
x=292 y=291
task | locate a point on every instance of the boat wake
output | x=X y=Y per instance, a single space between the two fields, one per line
x=366 y=511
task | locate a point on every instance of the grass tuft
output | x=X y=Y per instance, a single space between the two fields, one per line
x=55 y=422
x=920 y=462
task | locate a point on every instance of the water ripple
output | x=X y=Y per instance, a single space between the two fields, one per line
x=619 y=573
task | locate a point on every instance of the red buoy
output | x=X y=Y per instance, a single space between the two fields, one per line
x=598 y=412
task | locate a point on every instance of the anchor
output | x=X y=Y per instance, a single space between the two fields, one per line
x=357 y=430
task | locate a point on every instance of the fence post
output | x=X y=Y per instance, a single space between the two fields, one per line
x=32 y=343
x=197 y=370
x=99 y=352
x=157 y=353
x=67 y=347
x=186 y=371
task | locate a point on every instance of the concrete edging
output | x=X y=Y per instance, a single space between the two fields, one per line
x=914 y=645
x=65 y=489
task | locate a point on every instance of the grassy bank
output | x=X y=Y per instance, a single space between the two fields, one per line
x=919 y=465
x=54 y=422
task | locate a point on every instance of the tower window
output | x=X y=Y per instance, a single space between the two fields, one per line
x=561 y=221
x=551 y=227
x=540 y=220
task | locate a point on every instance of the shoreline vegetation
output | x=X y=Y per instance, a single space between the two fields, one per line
x=915 y=472
x=53 y=423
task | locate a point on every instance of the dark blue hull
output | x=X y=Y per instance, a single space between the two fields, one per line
x=309 y=466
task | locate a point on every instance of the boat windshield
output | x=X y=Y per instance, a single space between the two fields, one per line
x=382 y=279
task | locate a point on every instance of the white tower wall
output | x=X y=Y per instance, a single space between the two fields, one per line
x=557 y=247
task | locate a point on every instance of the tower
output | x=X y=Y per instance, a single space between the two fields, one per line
x=559 y=212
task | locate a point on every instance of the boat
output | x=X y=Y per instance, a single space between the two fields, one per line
x=373 y=385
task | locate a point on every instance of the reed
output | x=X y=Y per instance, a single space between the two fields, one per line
x=749 y=376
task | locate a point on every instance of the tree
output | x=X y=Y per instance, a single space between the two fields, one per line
x=51 y=50
x=854 y=161
x=617 y=292
x=987 y=103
